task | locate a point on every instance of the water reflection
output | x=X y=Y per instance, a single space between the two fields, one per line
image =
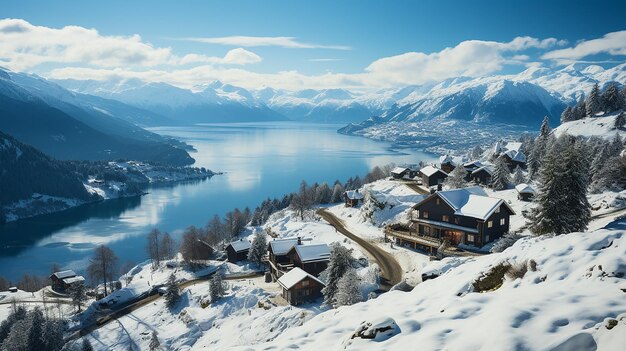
x=260 y=161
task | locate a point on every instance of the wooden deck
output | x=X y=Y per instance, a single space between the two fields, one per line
x=427 y=242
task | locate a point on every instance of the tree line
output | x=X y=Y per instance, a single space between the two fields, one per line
x=611 y=99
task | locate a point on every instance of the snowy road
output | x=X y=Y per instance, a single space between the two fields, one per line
x=391 y=272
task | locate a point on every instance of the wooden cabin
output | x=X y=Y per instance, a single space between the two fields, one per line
x=446 y=163
x=238 y=250
x=432 y=176
x=353 y=198
x=512 y=153
x=277 y=251
x=463 y=216
x=299 y=286
x=312 y=258
x=400 y=172
x=482 y=175
x=63 y=281
x=525 y=192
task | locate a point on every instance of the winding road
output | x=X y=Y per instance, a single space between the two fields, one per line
x=391 y=272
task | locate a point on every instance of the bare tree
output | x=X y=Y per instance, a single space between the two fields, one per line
x=215 y=230
x=302 y=201
x=153 y=247
x=102 y=265
x=192 y=247
x=168 y=246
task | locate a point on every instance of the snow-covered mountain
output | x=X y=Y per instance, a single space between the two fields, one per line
x=212 y=102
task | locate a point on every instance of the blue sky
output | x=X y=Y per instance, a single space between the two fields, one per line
x=342 y=37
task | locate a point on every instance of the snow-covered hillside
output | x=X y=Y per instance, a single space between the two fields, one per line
x=574 y=296
x=603 y=127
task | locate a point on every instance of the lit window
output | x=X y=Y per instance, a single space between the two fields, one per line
x=470 y=238
x=445 y=218
x=425 y=214
x=489 y=224
x=502 y=221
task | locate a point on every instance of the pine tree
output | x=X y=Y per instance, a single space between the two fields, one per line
x=611 y=98
x=539 y=149
x=155 y=344
x=258 y=248
x=562 y=205
x=567 y=115
x=593 y=103
x=620 y=121
x=477 y=153
x=518 y=176
x=217 y=288
x=172 y=296
x=545 y=127
x=348 y=291
x=340 y=262
x=456 y=178
x=86 y=345
x=501 y=175
x=78 y=294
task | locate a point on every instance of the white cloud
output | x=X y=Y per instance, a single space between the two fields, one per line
x=611 y=43
x=24 y=46
x=237 y=56
x=249 y=41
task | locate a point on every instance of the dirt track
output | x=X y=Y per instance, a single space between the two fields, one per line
x=391 y=272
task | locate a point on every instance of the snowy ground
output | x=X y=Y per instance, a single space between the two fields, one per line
x=577 y=289
x=31 y=300
x=592 y=126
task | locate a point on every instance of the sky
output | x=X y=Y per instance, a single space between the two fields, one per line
x=305 y=44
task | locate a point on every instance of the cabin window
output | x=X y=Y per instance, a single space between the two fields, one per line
x=305 y=283
x=490 y=224
x=438 y=201
x=470 y=238
x=456 y=220
x=445 y=218
x=502 y=221
x=425 y=214
x=498 y=210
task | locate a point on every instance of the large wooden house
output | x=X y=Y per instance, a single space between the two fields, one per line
x=64 y=280
x=462 y=216
x=312 y=258
x=299 y=286
x=353 y=198
x=278 y=259
x=238 y=250
x=432 y=176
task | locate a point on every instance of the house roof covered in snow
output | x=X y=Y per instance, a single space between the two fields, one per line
x=446 y=159
x=524 y=188
x=354 y=195
x=64 y=274
x=294 y=276
x=473 y=164
x=313 y=252
x=399 y=170
x=516 y=155
x=282 y=246
x=72 y=280
x=483 y=168
x=431 y=170
x=470 y=202
x=241 y=245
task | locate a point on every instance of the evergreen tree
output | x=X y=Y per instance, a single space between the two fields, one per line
x=620 y=121
x=539 y=148
x=348 y=291
x=611 y=98
x=78 y=293
x=258 y=248
x=501 y=175
x=562 y=205
x=518 y=176
x=155 y=344
x=340 y=262
x=456 y=178
x=593 y=103
x=217 y=287
x=477 y=153
x=567 y=115
x=86 y=345
x=172 y=296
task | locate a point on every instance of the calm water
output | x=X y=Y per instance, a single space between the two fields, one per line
x=260 y=160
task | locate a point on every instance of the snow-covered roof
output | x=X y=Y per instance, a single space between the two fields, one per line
x=513 y=146
x=516 y=155
x=473 y=164
x=524 y=188
x=294 y=276
x=354 y=195
x=450 y=225
x=72 y=280
x=282 y=246
x=470 y=202
x=446 y=159
x=485 y=168
x=64 y=274
x=240 y=245
x=399 y=170
x=313 y=252
x=430 y=170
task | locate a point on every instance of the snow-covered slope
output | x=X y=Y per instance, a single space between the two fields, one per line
x=603 y=127
x=576 y=296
